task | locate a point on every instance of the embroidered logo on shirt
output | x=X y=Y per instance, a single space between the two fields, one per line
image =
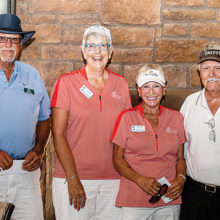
x=86 y=92
x=114 y=95
x=170 y=131
x=137 y=128
x=29 y=91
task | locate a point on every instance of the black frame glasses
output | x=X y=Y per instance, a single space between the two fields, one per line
x=13 y=40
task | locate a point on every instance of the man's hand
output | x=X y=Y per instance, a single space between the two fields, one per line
x=32 y=161
x=5 y=160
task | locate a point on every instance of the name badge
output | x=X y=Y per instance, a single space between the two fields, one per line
x=137 y=128
x=86 y=92
x=29 y=91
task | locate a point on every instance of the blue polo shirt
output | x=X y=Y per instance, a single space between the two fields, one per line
x=23 y=102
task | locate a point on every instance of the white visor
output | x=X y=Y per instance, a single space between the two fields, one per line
x=151 y=75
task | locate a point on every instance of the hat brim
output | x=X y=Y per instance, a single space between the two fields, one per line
x=209 y=58
x=145 y=80
x=27 y=35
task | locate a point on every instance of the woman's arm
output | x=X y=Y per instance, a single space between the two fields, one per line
x=147 y=184
x=177 y=184
x=77 y=195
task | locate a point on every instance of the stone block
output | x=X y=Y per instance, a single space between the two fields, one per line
x=73 y=34
x=132 y=36
x=213 y=3
x=132 y=55
x=39 y=18
x=189 y=14
x=131 y=12
x=178 y=50
x=31 y=51
x=130 y=72
x=61 y=52
x=158 y=32
x=194 y=77
x=47 y=33
x=69 y=19
x=64 y=6
x=183 y=3
x=116 y=68
x=176 y=76
x=175 y=98
x=21 y=10
x=50 y=71
x=205 y=30
x=175 y=29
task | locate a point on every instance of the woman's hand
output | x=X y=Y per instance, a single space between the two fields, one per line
x=176 y=188
x=149 y=185
x=77 y=196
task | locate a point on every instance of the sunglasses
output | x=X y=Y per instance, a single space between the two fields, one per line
x=211 y=124
x=162 y=191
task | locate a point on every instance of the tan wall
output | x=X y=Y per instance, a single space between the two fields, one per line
x=169 y=32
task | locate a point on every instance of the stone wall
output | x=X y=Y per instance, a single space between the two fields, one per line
x=169 y=32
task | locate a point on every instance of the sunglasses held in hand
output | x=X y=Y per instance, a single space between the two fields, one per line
x=162 y=191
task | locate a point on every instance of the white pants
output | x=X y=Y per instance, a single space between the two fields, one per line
x=100 y=202
x=170 y=212
x=23 y=190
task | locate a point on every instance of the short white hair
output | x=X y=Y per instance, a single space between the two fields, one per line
x=97 y=30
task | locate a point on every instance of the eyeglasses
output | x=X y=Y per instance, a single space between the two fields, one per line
x=92 y=47
x=13 y=40
x=211 y=124
x=162 y=191
x=207 y=68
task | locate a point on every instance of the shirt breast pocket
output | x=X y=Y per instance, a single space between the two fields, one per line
x=142 y=142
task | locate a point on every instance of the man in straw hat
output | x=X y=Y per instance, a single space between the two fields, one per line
x=25 y=125
x=201 y=111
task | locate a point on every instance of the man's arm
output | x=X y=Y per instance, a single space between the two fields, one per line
x=33 y=157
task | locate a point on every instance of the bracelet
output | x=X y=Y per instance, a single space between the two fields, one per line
x=70 y=178
x=180 y=174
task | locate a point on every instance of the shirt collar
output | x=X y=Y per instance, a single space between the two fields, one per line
x=201 y=100
x=14 y=73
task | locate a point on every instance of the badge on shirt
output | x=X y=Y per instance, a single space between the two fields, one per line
x=86 y=92
x=29 y=91
x=137 y=128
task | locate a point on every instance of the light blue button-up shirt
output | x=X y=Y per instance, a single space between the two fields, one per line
x=23 y=102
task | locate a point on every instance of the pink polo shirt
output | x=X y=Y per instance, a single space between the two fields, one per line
x=91 y=121
x=149 y=154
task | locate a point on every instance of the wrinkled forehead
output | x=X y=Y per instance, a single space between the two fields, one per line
x=95 y=37
x=210 y=62
x=10 y=35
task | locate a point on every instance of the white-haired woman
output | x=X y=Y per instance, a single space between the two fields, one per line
x=85 y=105
x=149 y=146
x=201 y=111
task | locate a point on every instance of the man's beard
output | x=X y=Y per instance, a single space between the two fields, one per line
x=7 y=59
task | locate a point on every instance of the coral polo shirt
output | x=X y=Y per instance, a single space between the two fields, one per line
x=149 y=154
x=91 y=121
